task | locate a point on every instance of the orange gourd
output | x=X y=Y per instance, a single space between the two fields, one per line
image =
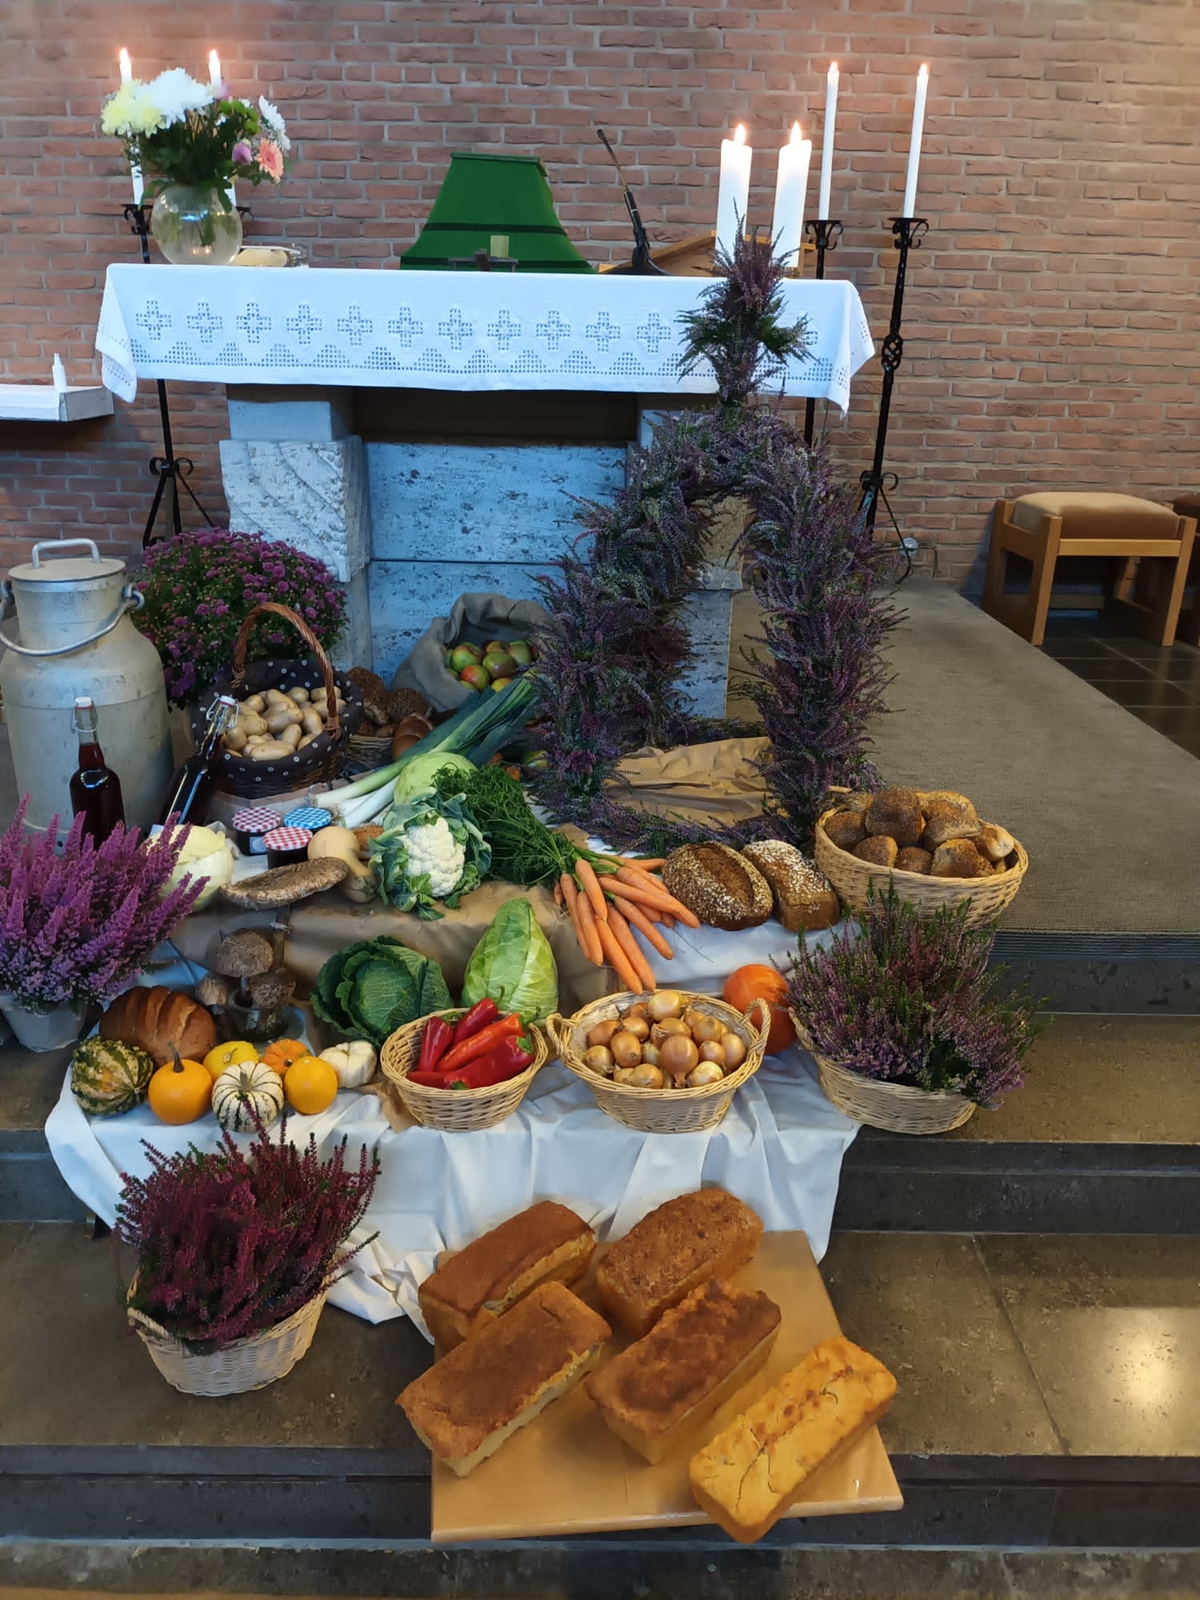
x=280 y=1055
x=310 y=1085
x=756 y=982
x=180 y=1092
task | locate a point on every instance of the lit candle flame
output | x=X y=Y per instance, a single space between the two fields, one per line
x=923 y=74
x=739 y=134
x=126 y=67
x=833 y=72
x=214 y=68
x=796 y=138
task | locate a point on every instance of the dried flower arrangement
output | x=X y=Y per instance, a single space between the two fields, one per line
x=910 y=999
x=199 y=587
x=229 y=1243
x=611 y=658
x=78 y=924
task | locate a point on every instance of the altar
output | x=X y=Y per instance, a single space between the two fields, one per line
x=408 y=523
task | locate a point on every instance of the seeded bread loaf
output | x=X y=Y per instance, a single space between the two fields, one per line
x=718 y=885
x=753 y=1470
x=680 y=1245
x=804 y=897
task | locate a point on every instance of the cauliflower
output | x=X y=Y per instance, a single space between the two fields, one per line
x=430 y=849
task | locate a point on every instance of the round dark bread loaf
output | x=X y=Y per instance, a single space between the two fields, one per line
x=718 y=885
x=896 y=813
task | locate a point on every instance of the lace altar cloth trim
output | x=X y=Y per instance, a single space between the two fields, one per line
x=436 y=330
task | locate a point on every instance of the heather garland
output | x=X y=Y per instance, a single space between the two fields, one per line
x=78 y=925
x=199 y=587
x=910 y=999
x=229 y=1243
x=611 y=658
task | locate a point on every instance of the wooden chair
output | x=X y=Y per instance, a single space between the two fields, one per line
x=1188 y=505
x=1152 y=545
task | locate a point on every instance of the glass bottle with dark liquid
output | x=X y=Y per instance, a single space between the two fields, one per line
x=95 y=788
x=190 y=794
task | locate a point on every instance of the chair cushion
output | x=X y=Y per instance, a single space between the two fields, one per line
x=1187 y=505
x=1097 y=516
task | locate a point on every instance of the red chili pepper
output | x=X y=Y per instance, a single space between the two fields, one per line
x=435 y=1041
x=481 y=1043
x=503 y=1063
x=479 y=1016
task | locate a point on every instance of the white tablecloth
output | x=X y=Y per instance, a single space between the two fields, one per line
x=438 y=330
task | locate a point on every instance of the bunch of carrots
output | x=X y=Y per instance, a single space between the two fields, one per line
x=608 y=900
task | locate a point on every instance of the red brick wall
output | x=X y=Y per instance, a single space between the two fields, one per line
x=1051 y=330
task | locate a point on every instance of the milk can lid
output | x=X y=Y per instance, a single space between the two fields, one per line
x=72 y=569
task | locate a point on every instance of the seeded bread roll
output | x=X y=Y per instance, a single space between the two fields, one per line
x=858 y=803
x=913 y=859
x=896 y=813
x=879 y=851
x=718 y=885
x=845 y=829
x=804 y=897
x=948 y=817
x=994 y=842
x=958 y=858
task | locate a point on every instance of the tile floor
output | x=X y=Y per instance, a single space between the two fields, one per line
x=1162 y=687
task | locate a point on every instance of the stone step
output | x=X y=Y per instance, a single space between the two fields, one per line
x=1046 y=1401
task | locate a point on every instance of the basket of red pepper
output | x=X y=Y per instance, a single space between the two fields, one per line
x=460 y=1070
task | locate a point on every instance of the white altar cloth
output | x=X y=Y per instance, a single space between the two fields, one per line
x=365 y=327
x=779 y=1149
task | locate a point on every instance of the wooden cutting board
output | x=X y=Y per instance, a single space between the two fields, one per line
x=566 y=1473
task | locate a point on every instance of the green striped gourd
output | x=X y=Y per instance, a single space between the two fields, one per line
x=108 y=1077
x=245 y=1091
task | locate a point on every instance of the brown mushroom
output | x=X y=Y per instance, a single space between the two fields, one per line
x=271 y=990
x=283 y=886
x=243 y=955
x=213 y=991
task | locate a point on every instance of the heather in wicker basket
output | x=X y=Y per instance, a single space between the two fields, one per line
x=908 y=999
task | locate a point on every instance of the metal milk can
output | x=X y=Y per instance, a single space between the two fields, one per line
x=76 y=638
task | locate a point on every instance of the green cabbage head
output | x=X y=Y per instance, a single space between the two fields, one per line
x=513 y=963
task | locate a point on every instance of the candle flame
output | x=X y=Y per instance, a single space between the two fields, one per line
x=923 y=75
x=797 y=138
x=126 y=68
x=739 y=134
x=214 y=67
x=833 y=71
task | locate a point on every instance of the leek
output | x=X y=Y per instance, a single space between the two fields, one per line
x=485 y=724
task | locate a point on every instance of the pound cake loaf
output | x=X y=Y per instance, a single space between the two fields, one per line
x=468 y=1403
x=752 y=1471
x=483 y=1281
x=679 y=1246
x=699 y=1353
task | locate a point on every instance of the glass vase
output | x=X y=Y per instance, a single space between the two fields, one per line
x=191 y=227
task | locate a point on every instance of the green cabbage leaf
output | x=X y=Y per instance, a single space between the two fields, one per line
x=371 y=988
x=514 y=964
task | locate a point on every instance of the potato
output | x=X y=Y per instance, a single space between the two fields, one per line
x=307 y=739
x=276 y=697
x=299 y=694
x=251 y=723
x=271 y=750
x=311 y=721
x=291 y=736
x=235 y=739
x=254 y=702
x=279 y=720
x=318 y=696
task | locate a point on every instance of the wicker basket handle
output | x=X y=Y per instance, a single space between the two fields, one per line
x=333 y=724
x=764 y=1025
x=556 y=1031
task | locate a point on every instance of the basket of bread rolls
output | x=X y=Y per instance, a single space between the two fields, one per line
x=930 y=843
x=664 y=1061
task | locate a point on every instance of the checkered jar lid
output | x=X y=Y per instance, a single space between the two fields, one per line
x=311 y=817
x=255 y=819
x=287 y=838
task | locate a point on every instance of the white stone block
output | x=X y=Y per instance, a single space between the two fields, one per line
x=293 y=415
x=355 y=648
x=407 y=595
x=707 y=615
x=314 y=496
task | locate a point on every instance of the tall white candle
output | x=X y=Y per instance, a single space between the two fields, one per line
x=831 y=97
x=135 y=172
x=214 y=78
x=791 y=191
x=734 y=193
x=914 y=145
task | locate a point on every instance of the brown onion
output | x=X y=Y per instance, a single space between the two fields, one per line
x=598 y=1059
x=664 y=1003
x=707 y=1072
x=638 y=1009
x=645 y=1077
x=670 y=1028
x=650 y=1054
x=735 y=1049
x=677 y=1056
x=637 y=1026
x=603 y=1032
x=702 y=1026
x=626 y=1049
x=623 y=1074
x=713 y=1050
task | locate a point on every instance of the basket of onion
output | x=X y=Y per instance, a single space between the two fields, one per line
x=663 y=1062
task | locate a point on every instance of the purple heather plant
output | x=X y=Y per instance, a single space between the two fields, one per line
x=911 y=999
x=199 y=587
x=78 y=924
x=229 y=1243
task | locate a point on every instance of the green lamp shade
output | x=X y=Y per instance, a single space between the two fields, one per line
x=486 y=198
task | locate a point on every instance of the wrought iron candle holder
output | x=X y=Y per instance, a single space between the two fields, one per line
x=907 y=235
x=825 y=235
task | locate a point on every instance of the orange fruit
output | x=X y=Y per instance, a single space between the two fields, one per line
x=310 y=1085
x=756 y=982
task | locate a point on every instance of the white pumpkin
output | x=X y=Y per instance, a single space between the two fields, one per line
x=248 y=1089
x=354 y=1062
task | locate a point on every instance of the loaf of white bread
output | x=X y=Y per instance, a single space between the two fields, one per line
x=546 y=1243
x=746 y=1478
x=673 y=1250
x=497 y=1381
x=661 y=1388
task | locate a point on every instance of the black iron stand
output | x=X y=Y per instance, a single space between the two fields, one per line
x=907 y=232
x=640 y=264
x=167 y=468
x=825 y=235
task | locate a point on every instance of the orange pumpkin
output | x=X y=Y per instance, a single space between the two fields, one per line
x=280 y=1055
x=310 y=1085
x=180 y=1092
x=756 y=982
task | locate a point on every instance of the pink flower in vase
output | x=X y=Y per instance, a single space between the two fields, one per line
x=270 y=159
x=242 y=154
